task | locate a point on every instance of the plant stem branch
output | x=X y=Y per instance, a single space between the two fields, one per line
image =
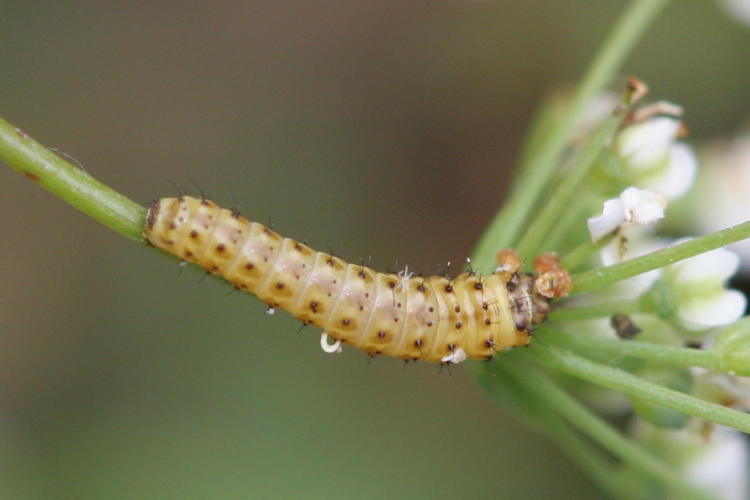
x=538 y=383
x=595 y=345
x=597 y=278
x=620 y=380
x=506 y=226
x=536 y=233
x=71 y=183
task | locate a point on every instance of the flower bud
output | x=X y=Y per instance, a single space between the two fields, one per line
x=732 y=346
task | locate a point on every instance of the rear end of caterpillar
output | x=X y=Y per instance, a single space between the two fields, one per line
x=431 y=318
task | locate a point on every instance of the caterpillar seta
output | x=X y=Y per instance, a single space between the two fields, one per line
x=411 y=317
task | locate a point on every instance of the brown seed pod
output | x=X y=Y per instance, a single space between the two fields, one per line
x=432 y=318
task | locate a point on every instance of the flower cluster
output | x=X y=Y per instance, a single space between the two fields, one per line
x=684 y=303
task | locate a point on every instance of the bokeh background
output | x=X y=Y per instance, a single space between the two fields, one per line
x=381 y=130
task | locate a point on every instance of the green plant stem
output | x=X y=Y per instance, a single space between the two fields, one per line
x=539 y=384
x=595 y=345
x=70 y=182
x=627 y=306
x=576 y=211
x=597 y=278
x=620 y=380
x=583 y=252
x=506 y=226
x=535 y=235
x=544 y=417
x=599 y=467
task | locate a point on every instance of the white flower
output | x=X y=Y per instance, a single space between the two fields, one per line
x=721 y=467
x=698 y=292
x=739 y=9
x=714 y=458
x=654 y=160
x=643 y=144
x=634 y=206
x=723 y=190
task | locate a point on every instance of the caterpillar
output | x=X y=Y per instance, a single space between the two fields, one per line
x=396 y=314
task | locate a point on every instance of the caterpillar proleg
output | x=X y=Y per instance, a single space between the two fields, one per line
x=411 y=317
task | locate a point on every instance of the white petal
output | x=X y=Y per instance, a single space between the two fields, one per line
x=740 y=9
x=612 y=216
x=705 y=312
x=643 y=144
x=722 y=467
x=678 y=174
x=641 y=206
x=717 y=266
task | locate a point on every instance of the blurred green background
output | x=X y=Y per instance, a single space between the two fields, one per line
x=375 y=129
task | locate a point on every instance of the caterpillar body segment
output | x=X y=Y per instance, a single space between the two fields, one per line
x=432 y=318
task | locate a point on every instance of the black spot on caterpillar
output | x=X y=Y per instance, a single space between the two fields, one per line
x=432 y=318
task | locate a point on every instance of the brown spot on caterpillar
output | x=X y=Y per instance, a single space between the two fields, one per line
x=487 y=321
x=249 y=265
x=448 y=289
x=279 y=285
x=457 y=309
x=477 y=286
x=345 y=321
x=458 y=325
x=382 y=334
x=31 y=176
x=420 y=288
x=314 y=306
x=193 y=234
x=220 y=247
x=484 y=305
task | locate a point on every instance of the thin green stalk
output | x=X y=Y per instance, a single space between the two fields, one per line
x=597 y=278
x=508 y=386
x=620 y=380
x=583 y=252
x=577 y=211
x=538 y=383
x=506 y=226
x=71 y=183
x=595 y=345
x=537 y=232
x=599 y=467
x=629 y=306
x=502 y=386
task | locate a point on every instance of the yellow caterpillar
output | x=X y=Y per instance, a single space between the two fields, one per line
x=432 y=318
